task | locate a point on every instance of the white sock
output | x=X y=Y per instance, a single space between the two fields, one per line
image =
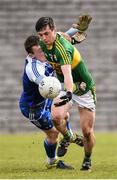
x=51 y=160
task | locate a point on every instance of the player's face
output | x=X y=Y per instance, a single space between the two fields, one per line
x=38 y=53
x=47 y=35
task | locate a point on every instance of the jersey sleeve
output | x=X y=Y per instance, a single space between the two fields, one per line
x=71 y=32
x=35 y=71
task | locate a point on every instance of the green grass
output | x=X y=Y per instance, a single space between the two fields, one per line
x=23 y=157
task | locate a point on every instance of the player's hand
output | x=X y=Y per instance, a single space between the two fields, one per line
x=78 y=37
x=83 y=23
x=79 y=87
x=65 y=99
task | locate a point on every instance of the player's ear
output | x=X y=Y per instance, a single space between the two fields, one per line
x=31 y=55
x=55 y=29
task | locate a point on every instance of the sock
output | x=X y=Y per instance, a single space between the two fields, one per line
x=87 y=155
x=67 y=135
x=69 y=128
x=52 y=160
x=50 y=149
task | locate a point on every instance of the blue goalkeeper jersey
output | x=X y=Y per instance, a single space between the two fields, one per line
x=34 y=71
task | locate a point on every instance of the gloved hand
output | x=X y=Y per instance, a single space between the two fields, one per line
x=78 y=37
x=66 y=98
x=83 y=23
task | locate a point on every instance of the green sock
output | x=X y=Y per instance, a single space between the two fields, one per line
x=67 y=135
x=87 y=155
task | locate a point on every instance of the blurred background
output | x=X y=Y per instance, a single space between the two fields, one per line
x=17 y=22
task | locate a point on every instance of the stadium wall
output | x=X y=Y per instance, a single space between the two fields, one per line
x=17 y=20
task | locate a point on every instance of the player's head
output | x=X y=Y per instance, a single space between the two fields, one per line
x=43 y=22
x=46 y=30
x=33 y=48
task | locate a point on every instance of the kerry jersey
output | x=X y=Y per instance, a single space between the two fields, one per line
x=63 y=52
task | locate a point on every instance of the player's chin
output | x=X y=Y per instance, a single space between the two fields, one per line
x=48 y=43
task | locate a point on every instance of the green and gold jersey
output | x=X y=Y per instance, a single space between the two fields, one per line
x=63 y=52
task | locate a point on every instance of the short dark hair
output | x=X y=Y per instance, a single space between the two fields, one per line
x=32 y=40
x=43 y=22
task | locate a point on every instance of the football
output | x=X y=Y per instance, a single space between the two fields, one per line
x=49 y=87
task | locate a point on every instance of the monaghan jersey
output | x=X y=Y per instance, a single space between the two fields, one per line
x=34 y=71
x=63 y=52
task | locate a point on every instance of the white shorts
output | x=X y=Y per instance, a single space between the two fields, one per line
x=83 y=101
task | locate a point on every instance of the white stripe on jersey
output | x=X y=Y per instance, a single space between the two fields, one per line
x=35 y=69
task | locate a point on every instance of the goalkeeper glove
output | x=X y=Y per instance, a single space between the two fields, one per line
x=83 y=23
x=65 y=99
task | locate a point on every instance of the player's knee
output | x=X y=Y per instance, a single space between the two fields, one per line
x=57 y=117
x=87 y=133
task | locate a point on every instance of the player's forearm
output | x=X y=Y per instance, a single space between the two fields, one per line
x=68 y=83
x=71 y=31
x=68 y=80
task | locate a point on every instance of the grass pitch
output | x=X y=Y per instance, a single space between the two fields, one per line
x=23 y=157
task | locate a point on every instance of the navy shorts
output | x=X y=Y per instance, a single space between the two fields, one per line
x=39 y=116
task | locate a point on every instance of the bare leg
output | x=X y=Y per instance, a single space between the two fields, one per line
x=87 y=118
x=60 y=116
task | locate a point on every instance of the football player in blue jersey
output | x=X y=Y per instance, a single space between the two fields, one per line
x=33 y=106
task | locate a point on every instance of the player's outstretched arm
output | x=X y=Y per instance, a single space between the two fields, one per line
x=77 y=32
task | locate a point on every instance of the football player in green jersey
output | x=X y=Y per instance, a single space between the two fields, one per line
x=77 y=81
